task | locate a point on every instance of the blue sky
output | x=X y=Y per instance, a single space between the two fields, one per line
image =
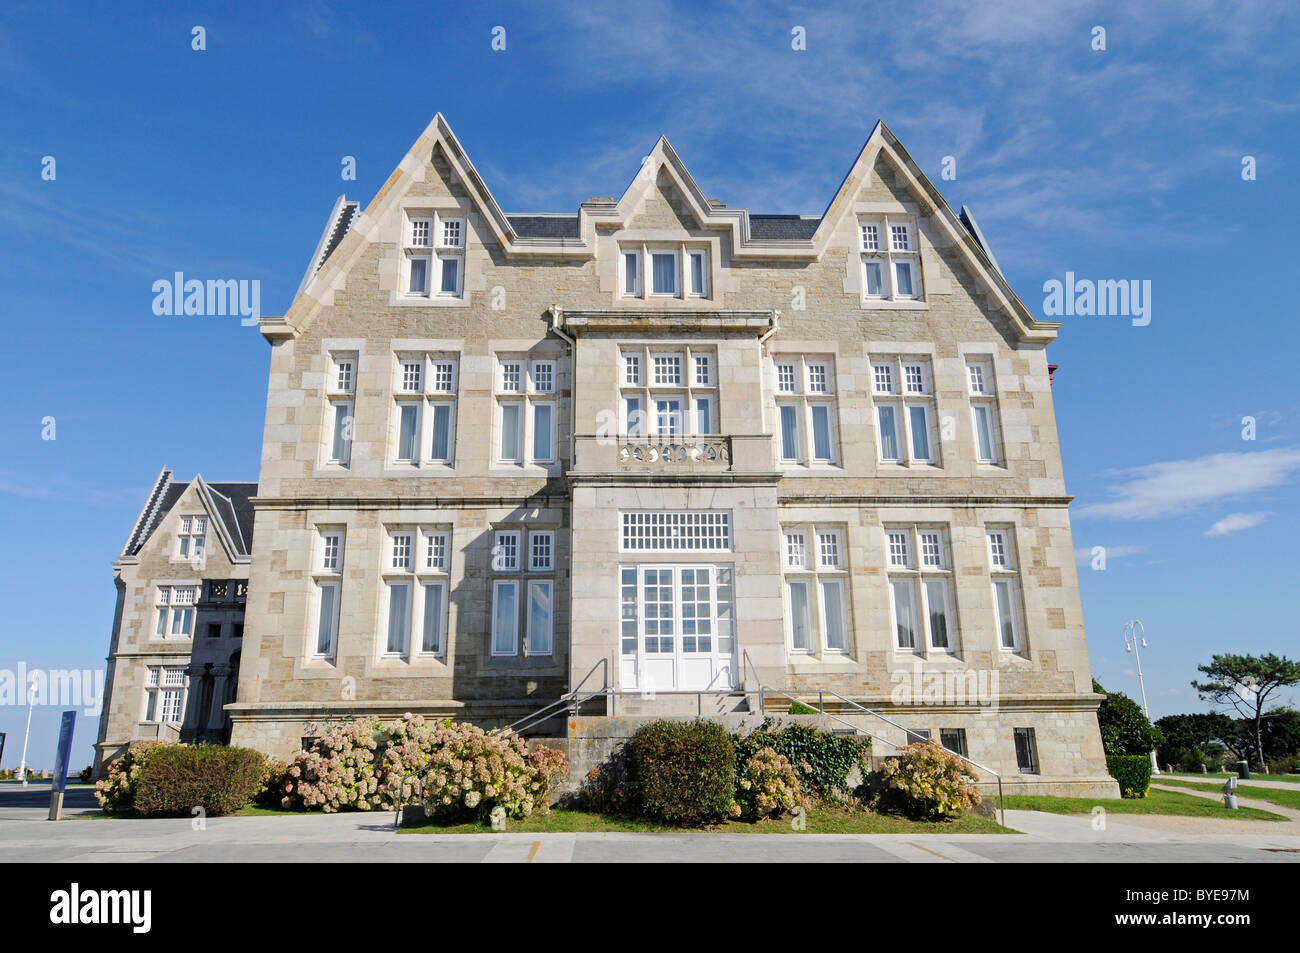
x=1117 y=164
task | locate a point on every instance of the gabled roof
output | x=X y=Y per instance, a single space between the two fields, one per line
x=753 y=237
x=229 y=506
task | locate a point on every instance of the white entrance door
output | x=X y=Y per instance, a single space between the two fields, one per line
x=677 y=627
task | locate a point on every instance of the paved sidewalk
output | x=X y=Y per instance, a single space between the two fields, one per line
x=1259 y=781
x=362 y=837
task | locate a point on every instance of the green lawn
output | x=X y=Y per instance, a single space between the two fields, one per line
x=821 y=820
x=1156 y=802
x=1283 y=796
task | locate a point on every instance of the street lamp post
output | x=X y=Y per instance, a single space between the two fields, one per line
x=31 y=700
x=1135 y=639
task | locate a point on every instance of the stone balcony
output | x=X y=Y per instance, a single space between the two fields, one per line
x=714 y=454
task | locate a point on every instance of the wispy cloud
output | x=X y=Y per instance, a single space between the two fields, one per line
x=1235 y=522
x=1179 y=486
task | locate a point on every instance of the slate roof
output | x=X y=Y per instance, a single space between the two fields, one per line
x=231 y=506
x=783 y=227
x=545 y=226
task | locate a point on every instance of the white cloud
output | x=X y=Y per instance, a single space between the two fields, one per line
x=1234 y=522
x=1178 y=486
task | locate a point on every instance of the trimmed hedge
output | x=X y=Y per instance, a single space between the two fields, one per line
x=1132 y=771
x=684 y=772
x=175 y=779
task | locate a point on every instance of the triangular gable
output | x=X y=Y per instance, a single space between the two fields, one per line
x=883 y=145
x=783 y=244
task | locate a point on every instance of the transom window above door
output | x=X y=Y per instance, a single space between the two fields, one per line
x=668 y=392
x=654 y=270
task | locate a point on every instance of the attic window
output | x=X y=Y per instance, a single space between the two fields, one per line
x=433 y=256
x=192 y=536
x=892 y=273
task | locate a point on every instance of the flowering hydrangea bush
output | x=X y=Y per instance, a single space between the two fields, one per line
x=116 y=791
x=337 y=773
x=925 y=780
x=452 y=769
x=768 y=786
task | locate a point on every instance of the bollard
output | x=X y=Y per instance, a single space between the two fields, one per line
x=1230 y=794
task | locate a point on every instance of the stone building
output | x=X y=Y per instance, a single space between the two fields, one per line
x=664 y=446
x=182 y=579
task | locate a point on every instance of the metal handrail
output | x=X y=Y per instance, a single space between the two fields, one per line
x=763 y=689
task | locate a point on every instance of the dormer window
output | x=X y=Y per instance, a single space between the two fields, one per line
x=192 y=537
x=664 y=271
x=891 y=267
x=434 y=254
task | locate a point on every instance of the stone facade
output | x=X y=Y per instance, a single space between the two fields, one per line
x=181 y=581
x=718 y=498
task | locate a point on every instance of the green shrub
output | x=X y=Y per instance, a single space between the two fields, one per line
x=116 y=792
x=822 y=759
x=924 y=781
x=1124 y=727
x=768 y=786
x=1132 y=771
x=684 y=772
x=178 y=778
x=86 y=774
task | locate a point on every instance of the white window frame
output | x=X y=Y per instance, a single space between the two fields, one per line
x=893 y=370
x=191 y=537
x=980 y=373
x=683 y=254
x=1003 y=556
x=886 y=254
x=646 y=389
x=528 y=396
x=437 y=252
x=170 y=610
x=418 y=571
x=919 y=571
x=816 y=572
x=158 y=691
x=797 y=392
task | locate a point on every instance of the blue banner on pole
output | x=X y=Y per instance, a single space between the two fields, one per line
x=65 y=750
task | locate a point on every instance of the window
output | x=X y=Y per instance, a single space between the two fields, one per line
x=954 y=739
x=541 y=546
x=892 y=270
x=679 y=397
x=175 y=615
x=680 y=531
x=1006 y=596
x=424 y=419
x=903 y=392
x=343 y=374
x=328 y=576
x=192 y=537
x=1026 y=751
x=663 y=273
x=984 y=409
x=921 y=589
x=415 y=576
x=531 y=624
x=434 y=269
x=914 y=736
x=165 y=695
x=682 y=611
x=698 y=274
x=214 y=630
x=341 y=439
x=341 y=384
x=657 y=271
x=805 y=411
x=526 y=411
x=815 y=590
